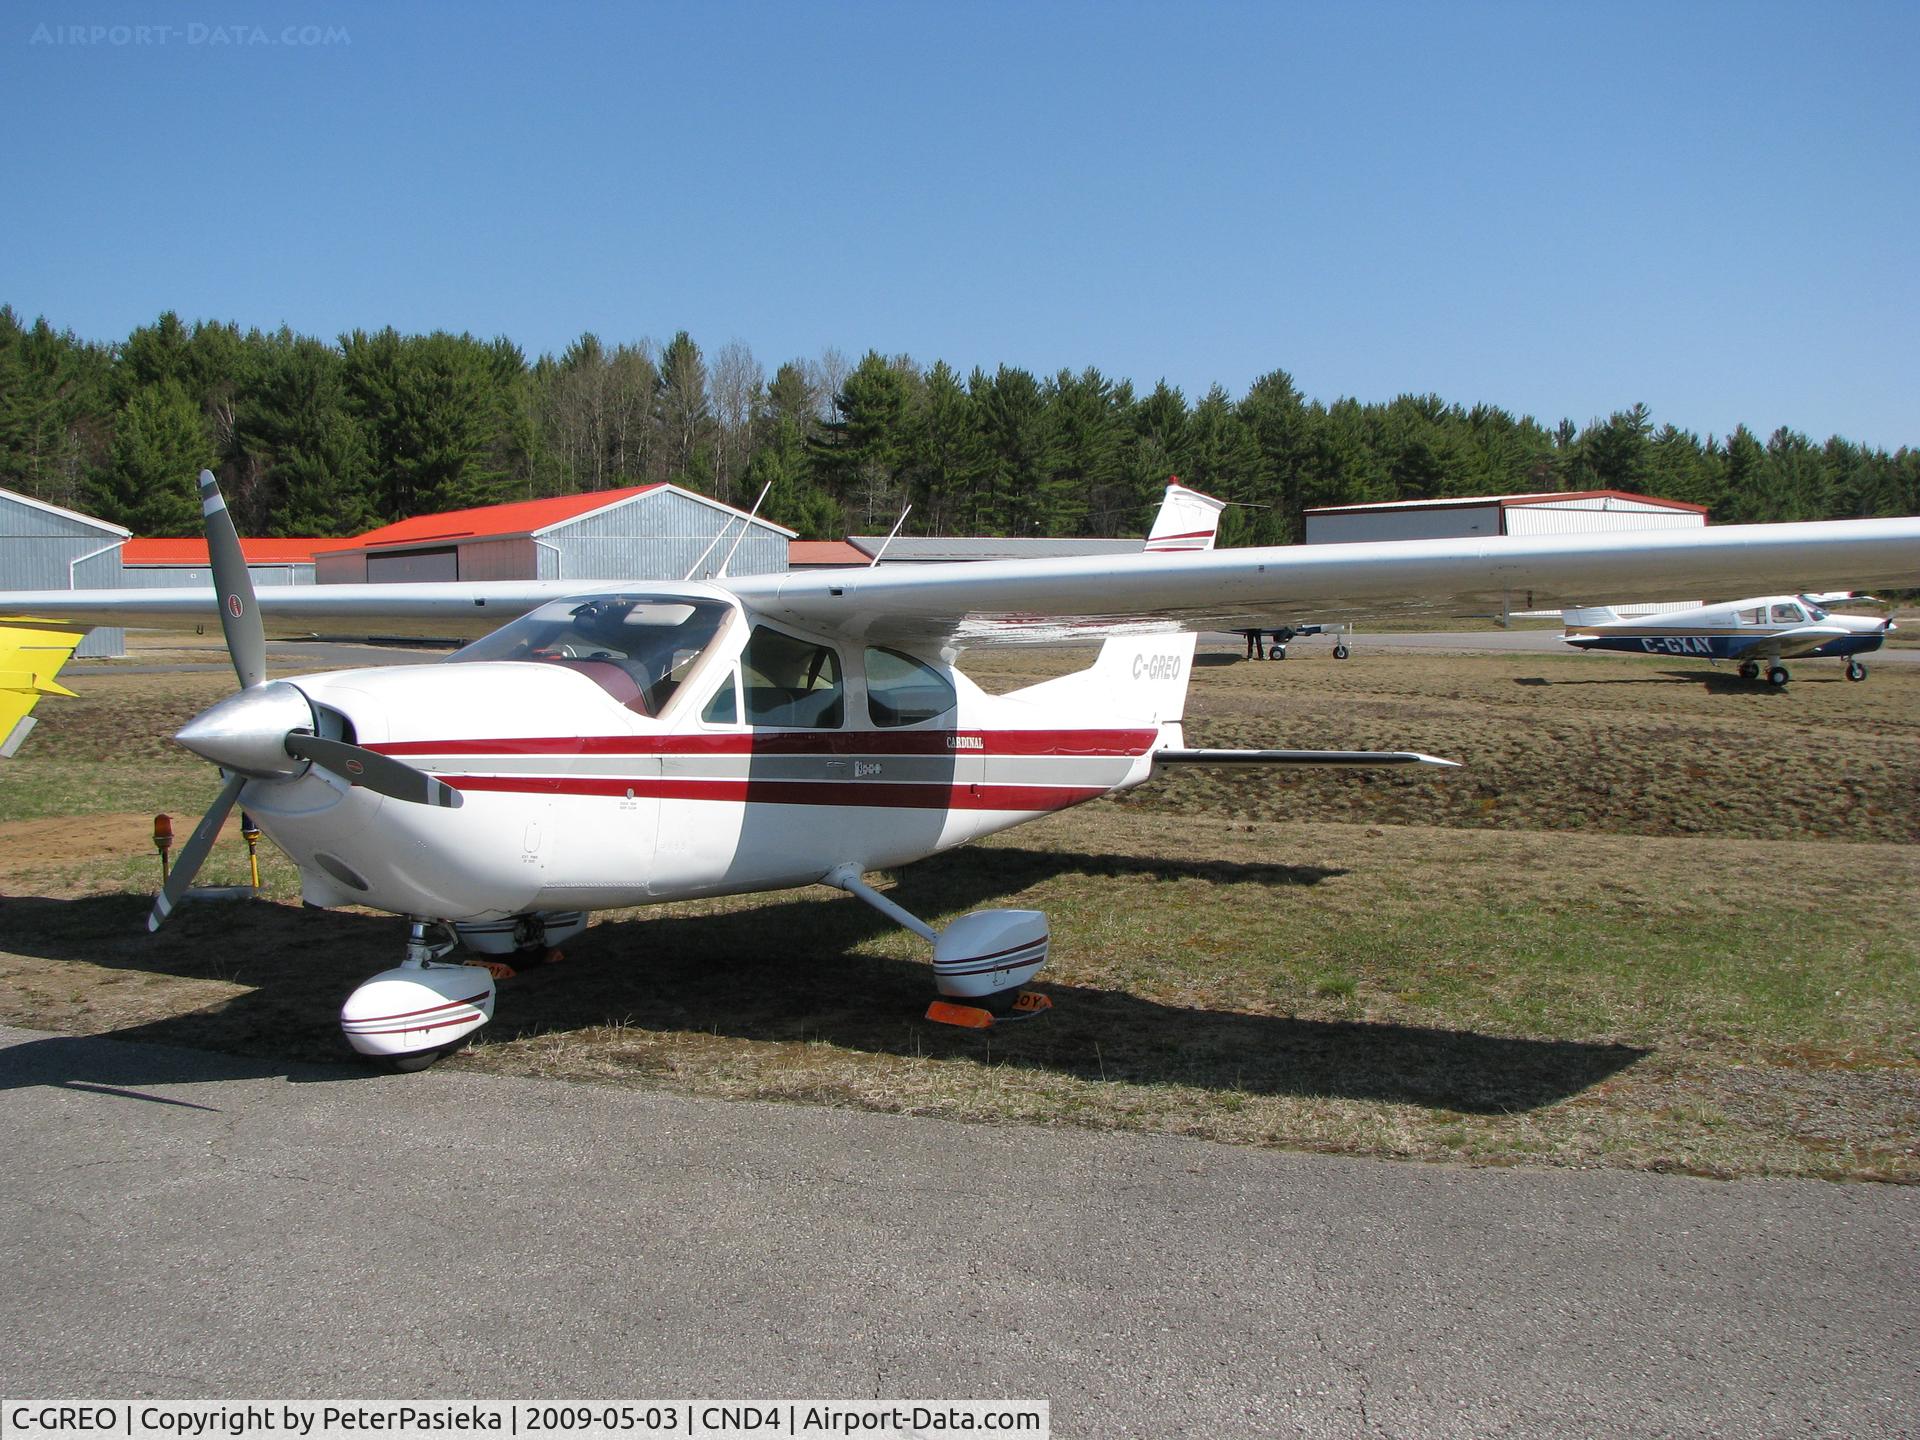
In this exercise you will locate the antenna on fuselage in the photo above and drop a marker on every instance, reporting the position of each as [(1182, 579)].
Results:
[(715, 542), (890, 534), (727, 559)]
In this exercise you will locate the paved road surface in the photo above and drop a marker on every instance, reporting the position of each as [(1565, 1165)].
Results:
[(186, 1225)]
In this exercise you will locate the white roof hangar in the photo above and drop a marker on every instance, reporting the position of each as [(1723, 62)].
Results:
[(48, 547), (1553, 512), (642, 532)]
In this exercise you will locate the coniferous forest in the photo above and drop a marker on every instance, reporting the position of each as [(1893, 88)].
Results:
[(311, 437)]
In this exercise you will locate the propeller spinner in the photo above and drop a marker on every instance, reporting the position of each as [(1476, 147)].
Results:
[(266, 731)]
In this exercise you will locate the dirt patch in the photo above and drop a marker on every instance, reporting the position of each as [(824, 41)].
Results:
[(27, 845)]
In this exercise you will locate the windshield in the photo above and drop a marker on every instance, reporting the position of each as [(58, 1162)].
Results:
[(638, 648)]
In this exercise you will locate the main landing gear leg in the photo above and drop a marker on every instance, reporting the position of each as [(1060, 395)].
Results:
[(980, 961), (423, 1008)]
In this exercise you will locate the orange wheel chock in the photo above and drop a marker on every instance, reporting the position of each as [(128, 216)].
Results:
[(967, 1017)]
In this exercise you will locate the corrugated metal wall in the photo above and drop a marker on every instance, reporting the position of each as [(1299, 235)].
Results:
[(658, 536), (161, 577), (340, 569), (1586, 517), (498, 560), (1411, 524), (408, 567), (44, 550)]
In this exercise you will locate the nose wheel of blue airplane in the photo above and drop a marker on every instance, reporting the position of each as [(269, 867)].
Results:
[(1855, 670)]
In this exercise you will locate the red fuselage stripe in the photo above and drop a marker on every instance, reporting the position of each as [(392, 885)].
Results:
[(428, 1010), (1067, 743), (880, 795)]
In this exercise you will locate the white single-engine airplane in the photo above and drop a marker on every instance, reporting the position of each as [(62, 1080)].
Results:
[(620, 744), (1761, 631)]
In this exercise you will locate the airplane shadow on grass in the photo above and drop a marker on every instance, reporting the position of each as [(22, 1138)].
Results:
[(1714, 682), (786, 969)]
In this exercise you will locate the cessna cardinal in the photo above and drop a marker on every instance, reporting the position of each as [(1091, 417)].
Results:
[(626, 743), (1758, 632)]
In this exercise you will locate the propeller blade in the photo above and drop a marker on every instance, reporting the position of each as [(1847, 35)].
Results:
[(381, 773), (239, 615), (194, 852)]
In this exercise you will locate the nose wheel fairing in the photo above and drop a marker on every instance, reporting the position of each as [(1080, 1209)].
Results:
[(422, 1008)]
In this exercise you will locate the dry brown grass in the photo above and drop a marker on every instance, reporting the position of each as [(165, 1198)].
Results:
[(1641, 953)]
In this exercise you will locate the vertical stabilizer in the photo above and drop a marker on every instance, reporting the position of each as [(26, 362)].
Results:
[(1592, 615), (1187, 520), (1141, 678)]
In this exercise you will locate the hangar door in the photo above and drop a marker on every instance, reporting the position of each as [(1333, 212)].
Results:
[(414, 565)]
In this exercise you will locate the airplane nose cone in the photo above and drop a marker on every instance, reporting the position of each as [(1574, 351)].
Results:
[(247, 732)]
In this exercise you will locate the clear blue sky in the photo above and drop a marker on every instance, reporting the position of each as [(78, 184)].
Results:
[(1561, 209)]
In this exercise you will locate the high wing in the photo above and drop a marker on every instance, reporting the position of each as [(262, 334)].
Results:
[(1015, 600), (445, 608), (1406, 579)]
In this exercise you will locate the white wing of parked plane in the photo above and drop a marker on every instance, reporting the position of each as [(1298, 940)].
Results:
[(1238, 589), (1028, 599)]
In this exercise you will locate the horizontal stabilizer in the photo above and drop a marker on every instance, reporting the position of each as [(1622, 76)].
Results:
[(31, 654), (27, 682), (1299, 757)]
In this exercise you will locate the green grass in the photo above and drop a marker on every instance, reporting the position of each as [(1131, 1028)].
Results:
[(1584, 950)]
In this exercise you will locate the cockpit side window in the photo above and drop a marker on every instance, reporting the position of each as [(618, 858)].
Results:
[(904, 691), (724, 707), (792, 682), (638, 648), (1788, 614), (1753, 615)]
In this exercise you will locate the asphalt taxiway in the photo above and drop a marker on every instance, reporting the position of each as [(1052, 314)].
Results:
[(185, 1225)]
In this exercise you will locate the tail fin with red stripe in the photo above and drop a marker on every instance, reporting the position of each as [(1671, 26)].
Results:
[(1187, 520)]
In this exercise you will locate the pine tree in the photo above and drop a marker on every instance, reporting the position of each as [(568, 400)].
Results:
[(1089, 420), (293, 425), (947, 454), (1023, 458), (1277, 417), (683, 414), (160, 446), (859, 455), (428, 407)]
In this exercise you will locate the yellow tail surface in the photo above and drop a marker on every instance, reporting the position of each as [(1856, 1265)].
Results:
[(31, 654)]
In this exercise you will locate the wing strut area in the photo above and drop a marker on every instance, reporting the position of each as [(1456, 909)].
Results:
[(1299, 757)]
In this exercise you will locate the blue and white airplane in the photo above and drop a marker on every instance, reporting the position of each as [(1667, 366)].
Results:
[(1757, 632)]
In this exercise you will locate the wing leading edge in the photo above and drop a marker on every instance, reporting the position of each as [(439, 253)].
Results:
[(1017, 600)]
